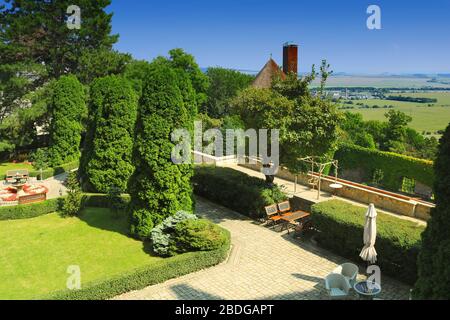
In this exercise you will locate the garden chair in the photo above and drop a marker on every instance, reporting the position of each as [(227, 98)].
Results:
[(272, 215), (284, 209), (337, 286), (349, 271)]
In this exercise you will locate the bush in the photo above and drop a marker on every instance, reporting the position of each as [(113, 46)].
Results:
[(162, 235), (394, 166), (156, 273), (341, 227), (198, 235), (28, 211), (236, 190), (73, 203)]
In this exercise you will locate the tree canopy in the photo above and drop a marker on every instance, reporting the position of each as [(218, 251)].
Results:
[(434, 258), (36, 48), (225, 84), (36, 31), (307, 124)]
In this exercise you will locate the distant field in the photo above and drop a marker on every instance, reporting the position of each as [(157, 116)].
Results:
[(380, 82), (429, 119)]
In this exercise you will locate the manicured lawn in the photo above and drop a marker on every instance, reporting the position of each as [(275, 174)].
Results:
[(4, 167), (35, 253)]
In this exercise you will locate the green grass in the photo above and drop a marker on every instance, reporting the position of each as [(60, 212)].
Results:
[(4, 167), (425, 118), (35, 253)]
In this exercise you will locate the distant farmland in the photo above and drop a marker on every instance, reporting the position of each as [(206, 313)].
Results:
[(380, 82), (425, 118)]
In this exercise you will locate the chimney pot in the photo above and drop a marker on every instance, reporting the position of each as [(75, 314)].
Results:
[(290, 58)]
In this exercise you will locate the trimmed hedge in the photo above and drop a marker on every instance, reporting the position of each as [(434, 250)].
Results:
[(159, 272), (236, 190), (341, 227), (51, 172), (34, 210), (394, 166), (28, 211)]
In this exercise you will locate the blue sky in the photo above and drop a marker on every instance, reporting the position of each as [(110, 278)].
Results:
[(241, 34)]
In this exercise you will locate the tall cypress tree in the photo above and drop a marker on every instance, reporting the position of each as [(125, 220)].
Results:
[(159, 188), (106, 160), (68, 109), (434, 258)]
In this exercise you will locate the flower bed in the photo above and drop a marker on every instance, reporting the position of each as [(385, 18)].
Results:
[(10, 194)]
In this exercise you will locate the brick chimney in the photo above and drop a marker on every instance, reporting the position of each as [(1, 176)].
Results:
[(290, 58)]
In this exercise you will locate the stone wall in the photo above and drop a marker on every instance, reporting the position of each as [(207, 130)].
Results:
[(383, 200)]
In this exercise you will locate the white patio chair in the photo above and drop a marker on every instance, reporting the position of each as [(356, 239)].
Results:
[(337, 286), (349, 271)]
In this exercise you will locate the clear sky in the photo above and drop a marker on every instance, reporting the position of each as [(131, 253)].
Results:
[(241, 34)]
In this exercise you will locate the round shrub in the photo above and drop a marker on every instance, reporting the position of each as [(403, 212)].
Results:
[(162, 235), (198, 235)]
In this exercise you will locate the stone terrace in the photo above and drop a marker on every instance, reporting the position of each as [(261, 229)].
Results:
[(263, 264)]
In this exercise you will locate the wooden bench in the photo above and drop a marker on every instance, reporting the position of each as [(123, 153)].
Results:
[(276, 212), (13, 176)]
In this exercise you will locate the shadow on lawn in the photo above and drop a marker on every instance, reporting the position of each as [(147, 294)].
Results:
[(104, 219)]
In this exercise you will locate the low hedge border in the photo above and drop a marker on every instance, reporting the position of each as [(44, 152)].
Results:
[(27, 211), (236, 190), (341, 229), (34, 210), (159, 272)]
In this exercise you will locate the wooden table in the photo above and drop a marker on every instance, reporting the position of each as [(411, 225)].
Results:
[(290, 220)]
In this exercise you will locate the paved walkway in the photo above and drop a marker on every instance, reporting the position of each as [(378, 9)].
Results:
[(263, 264)]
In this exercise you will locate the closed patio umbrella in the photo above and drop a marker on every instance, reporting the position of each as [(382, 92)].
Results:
[(369, 253)]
